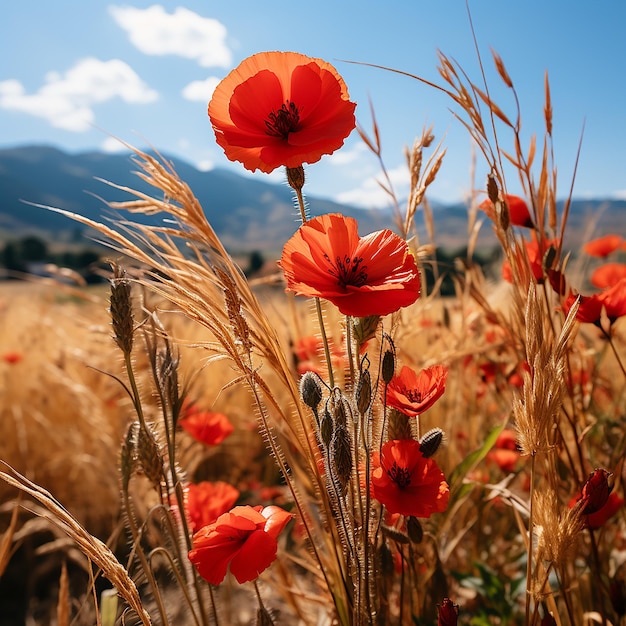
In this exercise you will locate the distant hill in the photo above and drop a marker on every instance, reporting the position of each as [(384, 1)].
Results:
[(247, 214)]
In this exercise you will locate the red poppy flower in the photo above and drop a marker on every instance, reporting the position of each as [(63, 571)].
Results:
[(244, 539), (519, 215), (205, 426), (371, 275), (12, 357), (407, 483), (413, 393), (613, 504), (281, 108), (608, 274), (535, 251), (206, 501), (603, 246), (613, 300)]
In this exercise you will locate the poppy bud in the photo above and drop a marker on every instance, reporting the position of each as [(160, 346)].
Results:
[(389, 366), (326, 428), (364, 392), (595, 491), (448, 613), (431, 441), (341, 458), (414, 530), (295, 177), (311, 391)]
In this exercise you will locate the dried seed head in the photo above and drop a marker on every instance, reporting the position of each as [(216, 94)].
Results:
[(232, 299), (414, 530), (311, 390), (504, 217), (431, 442), (492, 189), (167, 375), (121, 308), (149, 455), (396, 535), (128, 454), (341, 458), (364, 392), (399, 425)]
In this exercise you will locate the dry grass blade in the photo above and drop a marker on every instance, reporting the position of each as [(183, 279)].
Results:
[(6, 542), (94, 549), (63, 603)]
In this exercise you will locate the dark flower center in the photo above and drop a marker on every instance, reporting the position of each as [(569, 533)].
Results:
[(348, 271), (413, 395), (400, 475), (284, 121)]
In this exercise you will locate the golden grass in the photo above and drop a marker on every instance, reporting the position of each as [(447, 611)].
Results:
[(508, 545)]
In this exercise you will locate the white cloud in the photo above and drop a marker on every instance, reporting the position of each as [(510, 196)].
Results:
[(181, 33), (201, 90), (113, 145), (371, 195), (205, 166), (66, 101), (619, 194), (346, 156)]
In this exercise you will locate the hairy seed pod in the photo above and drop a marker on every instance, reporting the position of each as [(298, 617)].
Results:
[(414, 530), (395, 535), (326, 428), (431, 442), (311, 391), (341, 458), (389, 366), (339, 408), (264, 617), (364, 392)]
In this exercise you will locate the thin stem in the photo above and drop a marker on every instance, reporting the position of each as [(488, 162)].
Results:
[(529, 560)]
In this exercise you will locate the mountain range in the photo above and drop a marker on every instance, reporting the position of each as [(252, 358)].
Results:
[(246, 213)]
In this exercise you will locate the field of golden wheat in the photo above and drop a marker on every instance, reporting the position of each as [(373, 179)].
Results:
[(335, 443)]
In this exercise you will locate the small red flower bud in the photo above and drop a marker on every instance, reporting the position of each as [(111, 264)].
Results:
[(448, 613), (595, 491)]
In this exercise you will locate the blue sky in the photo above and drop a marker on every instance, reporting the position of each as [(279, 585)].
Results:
[(75, 72)]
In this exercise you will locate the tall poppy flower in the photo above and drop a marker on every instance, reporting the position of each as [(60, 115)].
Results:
[(208, 427), (206, 501), (244, 539), (406, 482), (371, 275), (413, 393), (519, 214), (603, 246), (281, 108), (612, 300), (608, 274)]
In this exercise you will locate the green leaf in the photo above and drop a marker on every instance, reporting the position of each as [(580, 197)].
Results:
[(470, 462)]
